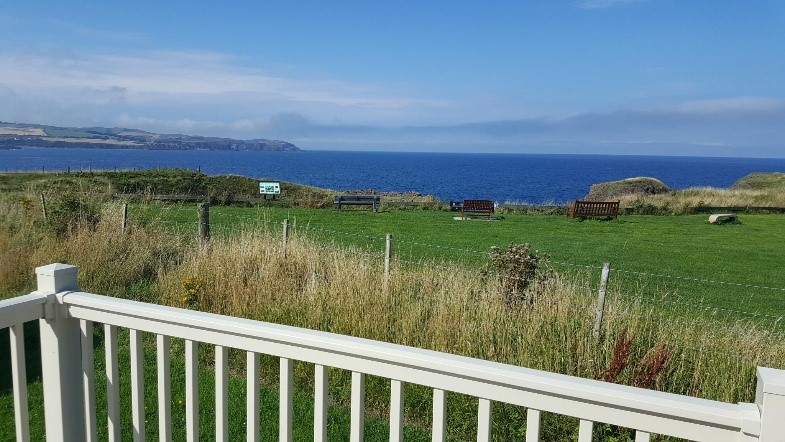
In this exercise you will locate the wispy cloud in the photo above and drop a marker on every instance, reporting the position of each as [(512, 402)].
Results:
[(604, 4), (195, 79), (732, 105), (722, 127), (96, 33)]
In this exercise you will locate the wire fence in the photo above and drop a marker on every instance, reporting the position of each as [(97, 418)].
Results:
[(657, 289)]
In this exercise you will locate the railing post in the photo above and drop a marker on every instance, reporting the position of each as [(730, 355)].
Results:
[(770, 398), (61, 362)]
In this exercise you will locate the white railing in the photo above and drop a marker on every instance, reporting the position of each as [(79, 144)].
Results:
[(66, 318)]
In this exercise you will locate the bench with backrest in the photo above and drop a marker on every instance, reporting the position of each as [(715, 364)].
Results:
[(357, 200), (583, 209), (477, 207)]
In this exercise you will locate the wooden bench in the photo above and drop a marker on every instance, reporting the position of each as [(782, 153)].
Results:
[(585, 209), (357, 200), (477, 207)]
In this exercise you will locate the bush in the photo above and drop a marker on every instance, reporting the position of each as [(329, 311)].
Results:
[(71, 212), (520, 269)]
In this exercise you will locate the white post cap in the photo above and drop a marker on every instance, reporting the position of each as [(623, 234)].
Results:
[(56, 278)]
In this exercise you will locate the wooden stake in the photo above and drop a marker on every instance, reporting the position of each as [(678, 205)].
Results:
[(606, 269), (125, 217), (285, 235), (43, 207), (387, 256), (204, 221)]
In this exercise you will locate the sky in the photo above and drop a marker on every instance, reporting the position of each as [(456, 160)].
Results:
[(638, 77)]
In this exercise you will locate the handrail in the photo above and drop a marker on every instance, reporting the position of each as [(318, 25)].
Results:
[(636, 408), (21, 309)]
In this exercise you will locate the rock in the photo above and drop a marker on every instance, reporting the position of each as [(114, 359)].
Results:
[(722, 218)]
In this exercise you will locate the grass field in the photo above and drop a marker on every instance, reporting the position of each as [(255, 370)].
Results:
[(733, 266)]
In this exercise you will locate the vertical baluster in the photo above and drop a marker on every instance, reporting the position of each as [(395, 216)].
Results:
[(484, 421), (642, 436), (585, 431), (252, 402), (164, 389), (437, 434), (112, 383), (221, 394), (88, 380), (137, 385), (357, 430), (191, 390), (19, 375), (320, 398), (285, 404), (396, 411), (532, 425)]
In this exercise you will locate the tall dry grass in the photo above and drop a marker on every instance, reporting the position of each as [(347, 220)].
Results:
[(110, 262), (458, 311), (684, 201)]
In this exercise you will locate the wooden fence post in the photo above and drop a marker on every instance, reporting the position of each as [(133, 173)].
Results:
[(125, 217), (387, 256), (43, 207), (285, 238), (204, 221), (606, 269)]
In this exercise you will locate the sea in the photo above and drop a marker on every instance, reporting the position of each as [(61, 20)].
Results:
[(504, 178)]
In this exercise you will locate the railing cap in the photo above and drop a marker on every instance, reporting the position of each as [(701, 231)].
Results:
[(770, 381), (57, 277)]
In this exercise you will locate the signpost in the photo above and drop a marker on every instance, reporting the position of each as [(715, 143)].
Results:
[(269, 188)]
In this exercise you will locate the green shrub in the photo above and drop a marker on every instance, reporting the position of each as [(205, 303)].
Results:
[(519, 269), (70, 212)]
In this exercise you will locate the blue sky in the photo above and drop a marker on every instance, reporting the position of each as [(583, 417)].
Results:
[(682, 77)]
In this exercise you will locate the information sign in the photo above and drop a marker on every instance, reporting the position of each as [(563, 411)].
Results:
[(269, 188)]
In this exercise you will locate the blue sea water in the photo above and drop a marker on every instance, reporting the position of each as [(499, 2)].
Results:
[(520, 178)]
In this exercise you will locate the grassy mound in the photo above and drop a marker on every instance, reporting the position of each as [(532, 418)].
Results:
[(220, 189), (761, 180), (614, 190)]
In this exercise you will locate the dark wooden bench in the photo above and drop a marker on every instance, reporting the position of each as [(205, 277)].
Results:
[(357, 200), (584, 209), (477, 207)]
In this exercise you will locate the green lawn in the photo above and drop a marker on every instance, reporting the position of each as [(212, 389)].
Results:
[(737, 266)]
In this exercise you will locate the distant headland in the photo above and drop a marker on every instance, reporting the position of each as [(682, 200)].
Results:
[(19, 135)]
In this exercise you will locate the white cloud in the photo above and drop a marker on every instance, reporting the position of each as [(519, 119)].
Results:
[(190, 78)]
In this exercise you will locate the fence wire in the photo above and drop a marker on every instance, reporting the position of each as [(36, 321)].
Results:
[(162, 214)]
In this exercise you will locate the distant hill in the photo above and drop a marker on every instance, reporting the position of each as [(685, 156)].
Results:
[(18, 135)]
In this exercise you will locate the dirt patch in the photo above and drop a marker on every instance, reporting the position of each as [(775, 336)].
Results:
[(23, 131)]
